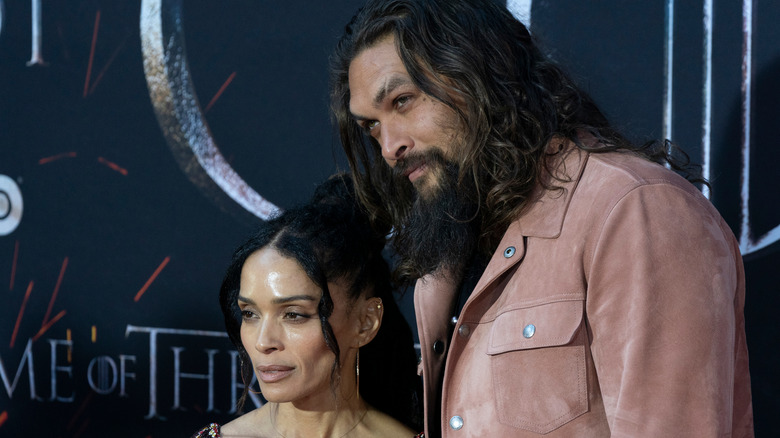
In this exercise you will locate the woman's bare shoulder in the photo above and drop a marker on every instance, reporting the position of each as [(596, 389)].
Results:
[(383, 425), (253, 424)]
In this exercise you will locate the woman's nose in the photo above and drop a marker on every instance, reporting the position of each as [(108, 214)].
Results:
[(268, 338)]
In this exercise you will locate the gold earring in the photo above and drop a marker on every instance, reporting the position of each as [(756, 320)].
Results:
[(357, 374)]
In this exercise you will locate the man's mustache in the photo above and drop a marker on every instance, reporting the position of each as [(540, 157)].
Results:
[(404, 166)]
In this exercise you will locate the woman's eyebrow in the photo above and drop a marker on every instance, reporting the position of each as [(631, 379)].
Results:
[(245, 300), (284, 300)]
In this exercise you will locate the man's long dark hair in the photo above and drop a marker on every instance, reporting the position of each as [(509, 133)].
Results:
[(513, 101), (332, 239)]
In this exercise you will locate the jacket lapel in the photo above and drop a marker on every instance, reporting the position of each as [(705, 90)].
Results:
[(434, 302), (543, 218), (435, 294)]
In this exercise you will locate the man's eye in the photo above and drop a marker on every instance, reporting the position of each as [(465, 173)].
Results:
[(401, 101), (370, 125)]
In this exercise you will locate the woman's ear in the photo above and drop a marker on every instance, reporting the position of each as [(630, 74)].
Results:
[(370, 319)]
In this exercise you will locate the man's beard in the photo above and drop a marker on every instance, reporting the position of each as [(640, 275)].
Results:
[(440, 228)]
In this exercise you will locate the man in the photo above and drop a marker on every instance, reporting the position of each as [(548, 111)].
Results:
[(568, 283)]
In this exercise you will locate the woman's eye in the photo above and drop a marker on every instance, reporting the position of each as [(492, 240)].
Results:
[(294, 316), (247, 314)]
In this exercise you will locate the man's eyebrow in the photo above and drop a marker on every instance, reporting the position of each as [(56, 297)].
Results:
[(389, 87)]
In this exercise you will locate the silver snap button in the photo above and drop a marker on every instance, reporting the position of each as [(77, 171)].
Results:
[(456, 422), (509, 252), (464, 330), (529, 331), (454, 320)]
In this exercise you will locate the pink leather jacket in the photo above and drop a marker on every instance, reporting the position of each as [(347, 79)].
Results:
[(611, 308)]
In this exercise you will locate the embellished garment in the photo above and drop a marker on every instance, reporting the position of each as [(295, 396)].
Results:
[(210, 431)]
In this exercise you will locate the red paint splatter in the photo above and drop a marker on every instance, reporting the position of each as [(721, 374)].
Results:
[(57, 157), (48, 325), (56, 291), (13, 265), (63, 44), (105, 67), (21, 313), (220, 91), (80, 410), (113, 166), (152, 278), (82, 428), (92, 52)]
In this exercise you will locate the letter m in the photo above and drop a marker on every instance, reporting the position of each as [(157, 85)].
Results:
[(27, 358)]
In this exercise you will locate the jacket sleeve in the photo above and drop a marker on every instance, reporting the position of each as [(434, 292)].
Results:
[(665, 313)]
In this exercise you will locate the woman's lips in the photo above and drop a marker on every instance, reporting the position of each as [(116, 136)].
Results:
[(273, 373)]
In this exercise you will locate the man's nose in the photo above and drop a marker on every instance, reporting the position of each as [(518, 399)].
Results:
[(396, 142)]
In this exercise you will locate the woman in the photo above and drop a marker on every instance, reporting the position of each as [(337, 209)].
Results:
[(308, 304)]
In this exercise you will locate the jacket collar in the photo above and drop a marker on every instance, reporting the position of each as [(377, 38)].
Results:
[(542, 218), (544, 215)]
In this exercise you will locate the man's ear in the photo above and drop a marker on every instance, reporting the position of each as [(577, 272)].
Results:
[(370, 319)]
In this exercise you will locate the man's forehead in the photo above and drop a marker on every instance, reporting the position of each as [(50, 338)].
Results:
[(375, 63), (374, 74)]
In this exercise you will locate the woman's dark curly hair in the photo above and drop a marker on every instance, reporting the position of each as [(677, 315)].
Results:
[(332, 239), (513, 100)]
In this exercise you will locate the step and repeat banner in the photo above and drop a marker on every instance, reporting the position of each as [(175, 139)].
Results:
[(141, 142)]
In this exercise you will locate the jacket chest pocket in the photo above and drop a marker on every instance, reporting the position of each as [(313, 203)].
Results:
[(538, 365)]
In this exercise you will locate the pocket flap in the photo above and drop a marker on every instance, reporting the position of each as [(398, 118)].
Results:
[(544, 325)]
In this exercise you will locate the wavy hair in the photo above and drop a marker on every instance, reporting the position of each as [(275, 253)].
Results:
[(331, 238), (512, 101)]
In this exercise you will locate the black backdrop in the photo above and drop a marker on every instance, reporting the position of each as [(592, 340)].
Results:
[(113, 237)]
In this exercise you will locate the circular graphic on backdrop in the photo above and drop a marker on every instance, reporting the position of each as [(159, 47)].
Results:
[(2, 14), (10, 205), (182, 120), (179, 114)]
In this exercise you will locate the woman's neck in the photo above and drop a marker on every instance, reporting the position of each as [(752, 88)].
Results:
[(290, 420)]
